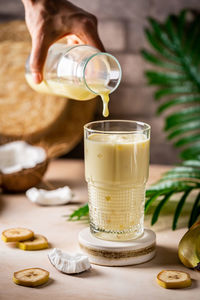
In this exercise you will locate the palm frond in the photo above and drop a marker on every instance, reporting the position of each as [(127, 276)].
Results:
[(79, 213), (159, 207), (195, 211), (177, 54), (179, 207)]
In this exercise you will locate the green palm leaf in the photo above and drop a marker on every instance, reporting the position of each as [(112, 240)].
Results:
[(170, 78), (159, 62), (191, 152), (176, 42), (184, 169), (187, 140), (179, 208), (159, 48), (182, 128), (180, 175), (186, 119), (181, 116), (159, 207), (151, 200), (185, 99), (167, 186), (195, 211), (173, 90), (79, 213), (192, 163)]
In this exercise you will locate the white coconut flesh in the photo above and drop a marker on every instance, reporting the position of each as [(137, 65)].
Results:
[(55, 197), (19, 155), (69, 264)]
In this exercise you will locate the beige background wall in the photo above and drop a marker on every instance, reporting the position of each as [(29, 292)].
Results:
[(121, 28)]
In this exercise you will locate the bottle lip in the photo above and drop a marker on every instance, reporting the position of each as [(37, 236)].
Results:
[(106, 54)]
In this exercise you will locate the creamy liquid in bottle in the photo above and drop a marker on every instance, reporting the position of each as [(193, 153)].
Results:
[(116, 169), (69, 90)]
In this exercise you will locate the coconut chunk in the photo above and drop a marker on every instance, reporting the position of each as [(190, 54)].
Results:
[(19, 155), (55, 197), (67, 263)]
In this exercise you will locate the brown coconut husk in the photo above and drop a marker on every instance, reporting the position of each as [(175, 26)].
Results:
[(52, 122), (24, 179), (26, 114)]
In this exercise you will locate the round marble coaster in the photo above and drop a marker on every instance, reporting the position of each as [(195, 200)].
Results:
[(109, 253)]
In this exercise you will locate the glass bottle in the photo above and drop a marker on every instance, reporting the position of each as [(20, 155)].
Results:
[(79, 72)]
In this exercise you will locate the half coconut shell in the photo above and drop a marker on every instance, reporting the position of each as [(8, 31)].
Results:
[(24, 179)]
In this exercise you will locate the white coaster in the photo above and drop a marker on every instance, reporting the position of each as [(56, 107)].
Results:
[(109, 253)]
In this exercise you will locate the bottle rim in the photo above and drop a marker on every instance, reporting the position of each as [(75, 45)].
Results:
[(144, 127), (98, 54)]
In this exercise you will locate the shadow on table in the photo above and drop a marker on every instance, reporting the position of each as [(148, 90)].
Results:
[(56, 183), (92, 272), (194, 285), (2, 204), (164, 257), (49, 282)]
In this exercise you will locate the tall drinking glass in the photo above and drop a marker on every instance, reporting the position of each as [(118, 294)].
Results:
[(116, 170)]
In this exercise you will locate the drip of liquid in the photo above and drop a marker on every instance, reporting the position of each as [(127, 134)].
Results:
[(105, 99), (69, 90)]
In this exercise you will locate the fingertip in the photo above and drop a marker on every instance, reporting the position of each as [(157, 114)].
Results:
[(92, 38), (37, 77), (101, 47)]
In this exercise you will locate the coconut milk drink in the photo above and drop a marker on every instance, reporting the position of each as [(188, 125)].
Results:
[(116, 169)]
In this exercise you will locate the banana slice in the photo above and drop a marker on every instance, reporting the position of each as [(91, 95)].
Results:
[(171, 279), (16, 234), (31, 277), (38, 242)]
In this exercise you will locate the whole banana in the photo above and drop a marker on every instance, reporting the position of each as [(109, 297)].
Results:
[(189, 247)]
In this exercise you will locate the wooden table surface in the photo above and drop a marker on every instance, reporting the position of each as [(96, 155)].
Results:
[(110, 283)]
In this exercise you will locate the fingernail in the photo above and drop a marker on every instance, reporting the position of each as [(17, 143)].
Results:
[(37, 77)]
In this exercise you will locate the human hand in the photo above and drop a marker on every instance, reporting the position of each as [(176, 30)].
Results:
[(50, 20)]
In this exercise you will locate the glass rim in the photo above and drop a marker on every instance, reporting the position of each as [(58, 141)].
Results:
[(147, 127), (106, 54)]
